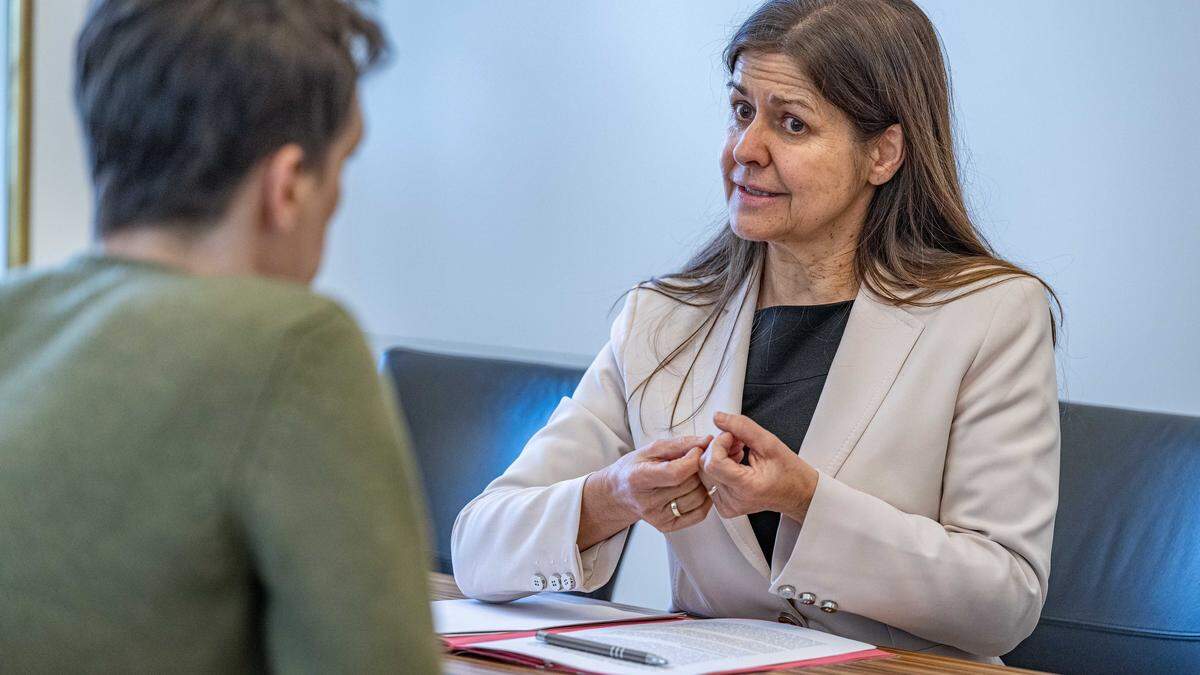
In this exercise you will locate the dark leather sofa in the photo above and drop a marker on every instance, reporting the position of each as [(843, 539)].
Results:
[(1125, 569), (469, 418), (1125, 582)]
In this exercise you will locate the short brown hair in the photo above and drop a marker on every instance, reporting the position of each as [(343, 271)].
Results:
[(180, 99)]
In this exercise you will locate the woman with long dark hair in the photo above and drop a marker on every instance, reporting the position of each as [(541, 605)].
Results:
[(847, 371)]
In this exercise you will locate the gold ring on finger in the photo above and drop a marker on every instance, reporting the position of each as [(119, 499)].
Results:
[(675, 508)]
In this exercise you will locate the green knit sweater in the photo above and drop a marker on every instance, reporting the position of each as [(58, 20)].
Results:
[(200, 475)]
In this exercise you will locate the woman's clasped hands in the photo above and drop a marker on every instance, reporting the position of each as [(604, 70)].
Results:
[(773, 477), (660, 483), (673, 483)]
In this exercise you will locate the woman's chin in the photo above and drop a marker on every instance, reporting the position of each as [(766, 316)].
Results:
[(750, 230)]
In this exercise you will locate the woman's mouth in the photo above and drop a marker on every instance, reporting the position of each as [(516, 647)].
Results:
[(751, 196), (759, 193)]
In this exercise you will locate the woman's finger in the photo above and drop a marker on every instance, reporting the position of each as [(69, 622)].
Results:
[(658, 474), (691, 500), (721, 468), (674, 448), (721, 504), (664, 495), (749, 432), (692, 517), (737, 449), (721, 444)]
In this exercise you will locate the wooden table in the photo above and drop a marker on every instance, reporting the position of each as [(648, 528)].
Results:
[(442, 587)]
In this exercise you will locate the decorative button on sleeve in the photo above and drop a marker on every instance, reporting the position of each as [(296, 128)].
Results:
[(537, 583), (807, 599), (568, 581), (555, 582), (791, 619), (829, 606), (786, 592)]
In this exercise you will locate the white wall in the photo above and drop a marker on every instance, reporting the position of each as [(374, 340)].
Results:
[(60, 201), (528, 160), (1080, 117)]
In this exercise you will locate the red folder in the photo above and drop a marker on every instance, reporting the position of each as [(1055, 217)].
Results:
[(477, 645)]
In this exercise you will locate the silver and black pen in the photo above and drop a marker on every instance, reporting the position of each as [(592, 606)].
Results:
[(599, 648)]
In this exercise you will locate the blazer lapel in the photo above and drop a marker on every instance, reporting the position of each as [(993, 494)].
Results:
[(876, 343), (729, 369)]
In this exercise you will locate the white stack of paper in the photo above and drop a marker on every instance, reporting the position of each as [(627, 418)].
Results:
[(692, 647), (457, 617)]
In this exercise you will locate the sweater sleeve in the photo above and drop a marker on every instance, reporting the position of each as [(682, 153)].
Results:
[(327, 499)]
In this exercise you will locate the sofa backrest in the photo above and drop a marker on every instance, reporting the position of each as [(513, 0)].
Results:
[(469, 418), (1124, 591)]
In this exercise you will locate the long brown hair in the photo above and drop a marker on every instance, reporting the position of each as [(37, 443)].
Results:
[(880, 62)]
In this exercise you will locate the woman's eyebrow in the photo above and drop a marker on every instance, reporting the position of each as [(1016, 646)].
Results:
[(775, 99)]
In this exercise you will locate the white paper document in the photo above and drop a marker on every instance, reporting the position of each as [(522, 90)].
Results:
[(455, 617), (700, 646)]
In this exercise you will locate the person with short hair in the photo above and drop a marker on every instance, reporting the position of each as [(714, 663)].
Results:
[(199, 468)]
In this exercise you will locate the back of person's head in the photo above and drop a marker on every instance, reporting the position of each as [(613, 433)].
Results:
[(181, 100)]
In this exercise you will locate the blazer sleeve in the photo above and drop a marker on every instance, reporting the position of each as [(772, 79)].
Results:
[(526, 522), (977, 579)]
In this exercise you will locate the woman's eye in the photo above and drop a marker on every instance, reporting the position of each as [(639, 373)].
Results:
[(742, 111), (793, 125)]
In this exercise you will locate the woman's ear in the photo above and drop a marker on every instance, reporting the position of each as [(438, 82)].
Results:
[(887, 154)]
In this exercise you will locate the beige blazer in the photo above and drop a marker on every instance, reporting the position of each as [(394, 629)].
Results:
[(937, 441)]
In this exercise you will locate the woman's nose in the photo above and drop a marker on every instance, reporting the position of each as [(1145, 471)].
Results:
[(751, 147)]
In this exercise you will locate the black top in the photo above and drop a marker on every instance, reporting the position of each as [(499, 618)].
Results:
[(791, 350)]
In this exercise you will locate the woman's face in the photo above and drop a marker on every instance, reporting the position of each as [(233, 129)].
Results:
[(794, 170)]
